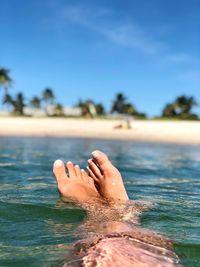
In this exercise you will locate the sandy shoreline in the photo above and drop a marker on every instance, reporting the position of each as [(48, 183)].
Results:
[(182, 132)]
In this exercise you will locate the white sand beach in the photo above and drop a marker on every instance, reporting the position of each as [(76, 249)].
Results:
[(184, 132)]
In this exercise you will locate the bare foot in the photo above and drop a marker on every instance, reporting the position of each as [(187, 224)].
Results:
[(107, 177), (77, 185)]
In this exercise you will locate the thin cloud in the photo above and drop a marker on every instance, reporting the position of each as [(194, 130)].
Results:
[(132, 36), (126, 34), (123, 34)]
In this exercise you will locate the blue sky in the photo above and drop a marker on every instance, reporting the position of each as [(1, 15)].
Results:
[(149, 50)]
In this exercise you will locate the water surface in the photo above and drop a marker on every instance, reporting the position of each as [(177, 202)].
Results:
[(36, 228)]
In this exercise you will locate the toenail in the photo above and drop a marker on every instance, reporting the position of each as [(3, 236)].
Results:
[(95, 153), (58, 163), (69, 162), (77, 166)]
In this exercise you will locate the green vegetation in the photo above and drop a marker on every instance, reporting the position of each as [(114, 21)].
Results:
[(59, 110), (91, 109), (5, 79), (180, 108), (121, 106), (16, 103), (48, 96), (35, 102)]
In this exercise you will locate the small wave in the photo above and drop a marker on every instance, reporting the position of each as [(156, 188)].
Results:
[(7, 164)]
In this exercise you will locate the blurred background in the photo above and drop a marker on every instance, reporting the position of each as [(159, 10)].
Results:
[(90, 58)]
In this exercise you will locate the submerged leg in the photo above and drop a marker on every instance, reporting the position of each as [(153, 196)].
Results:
[(114, 243)]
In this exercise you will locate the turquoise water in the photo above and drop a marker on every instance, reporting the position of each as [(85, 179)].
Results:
[(36, 228)]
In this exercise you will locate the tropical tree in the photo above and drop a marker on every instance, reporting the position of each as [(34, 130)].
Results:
[(5, 79), (119, 104), (180, 108), (84, 107), (59, 110), (48, 96), (100, 109), (185, 104), (16, 103), (48, 99), (19, 104), (90, 108), (130, 109), (169, 110), (35, 102), (7, 99)]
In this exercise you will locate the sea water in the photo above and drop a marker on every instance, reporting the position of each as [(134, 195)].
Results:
[(36, 228)]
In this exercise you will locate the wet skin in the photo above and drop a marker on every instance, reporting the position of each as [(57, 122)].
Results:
[(118, 243), (107, 177), (80, 187), (76, 185)]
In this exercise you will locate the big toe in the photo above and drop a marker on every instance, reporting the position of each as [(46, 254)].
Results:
[(58, 167), (59, 172), (101, 159)]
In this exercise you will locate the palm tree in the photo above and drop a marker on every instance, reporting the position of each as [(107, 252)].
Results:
[(130, 109), (180, 108), (5, 79), (185, 104), (119, 104), (7, 99), (19, 104), (48, 96), (58, 110), (169, 111), (35, 102), (100, 109), (90, 108), (83, 105)]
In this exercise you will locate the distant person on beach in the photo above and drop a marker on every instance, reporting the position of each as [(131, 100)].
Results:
[(126, 124), (114, 237)]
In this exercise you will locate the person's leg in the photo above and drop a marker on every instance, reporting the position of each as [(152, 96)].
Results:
[(113, 239), (77, 185), (107, 177)]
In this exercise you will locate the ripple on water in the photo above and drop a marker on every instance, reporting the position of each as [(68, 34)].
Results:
[(36, 228), (7, 164)]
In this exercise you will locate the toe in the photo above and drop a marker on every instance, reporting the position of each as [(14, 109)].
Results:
[(101, 159), (60, 174), (78, 171), (92, 175), (85, 177), (71, 169), (95, 169), (91, 181)]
